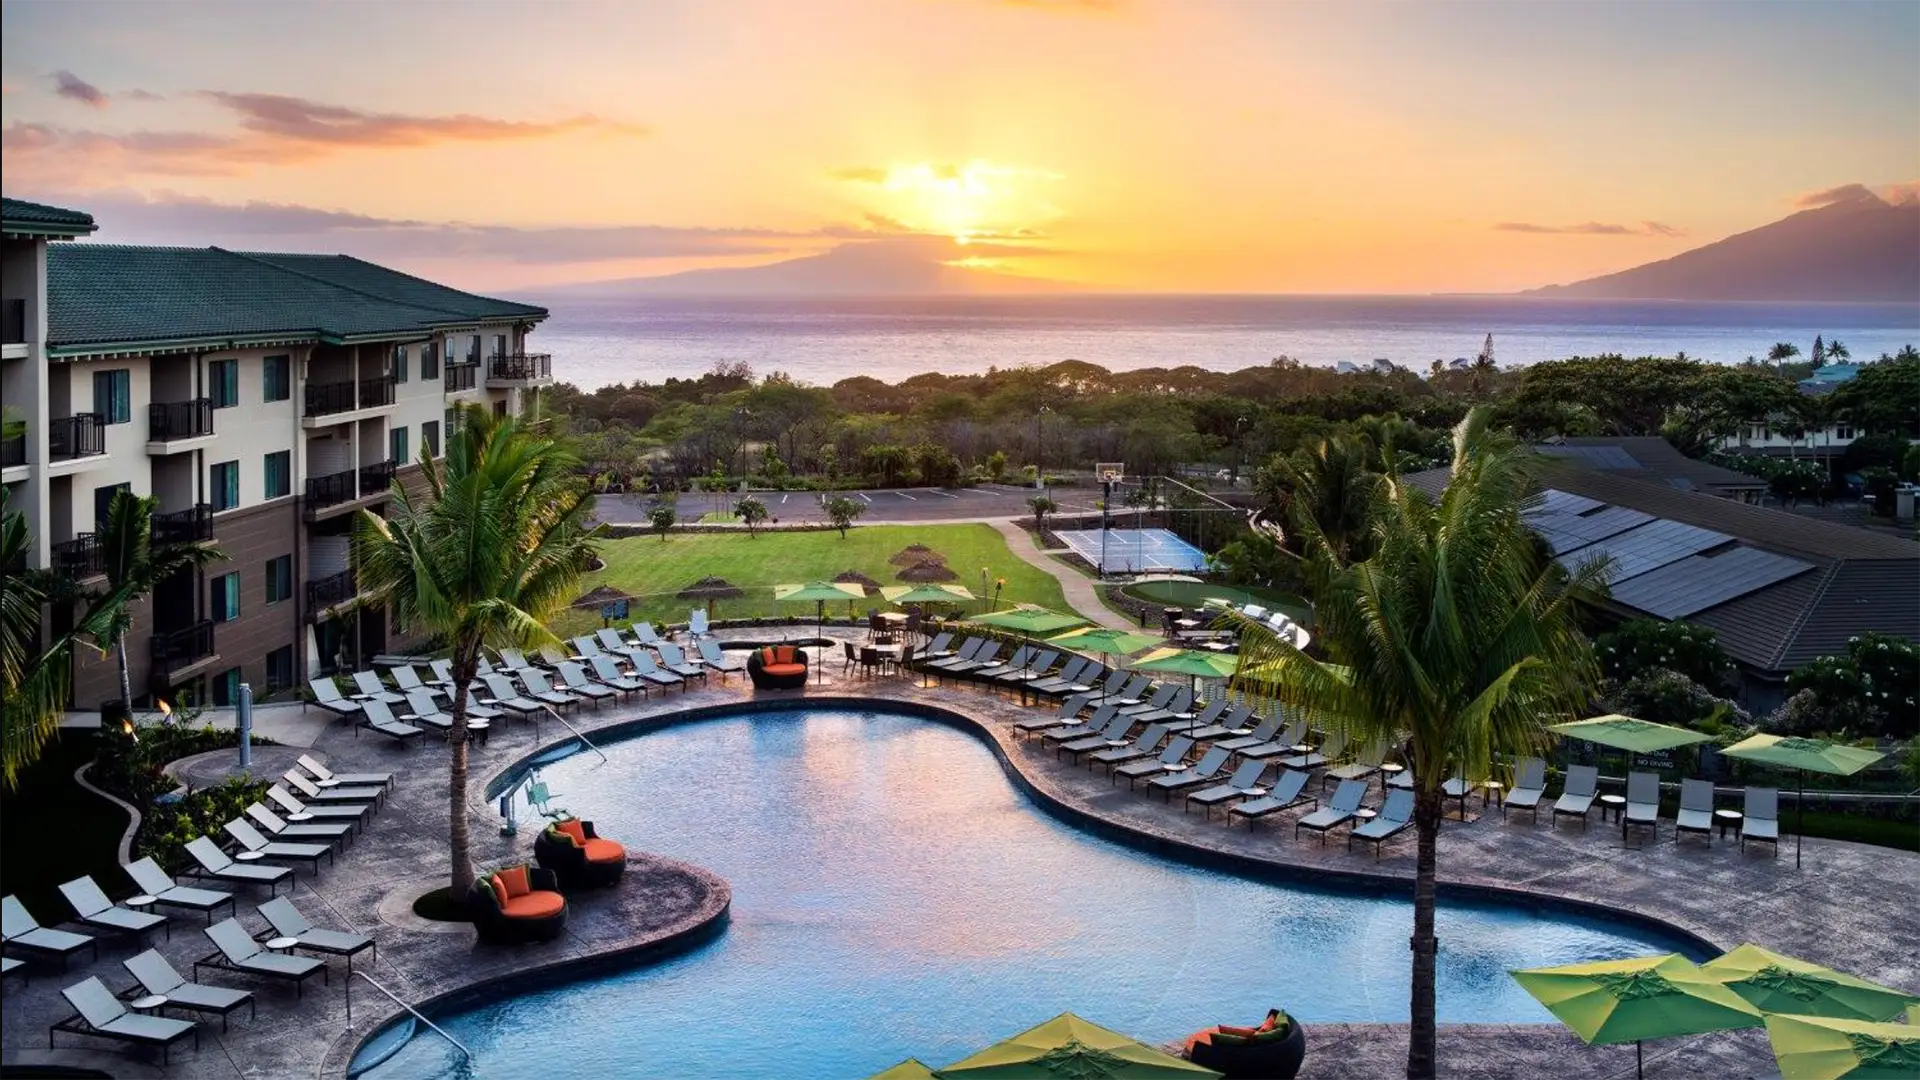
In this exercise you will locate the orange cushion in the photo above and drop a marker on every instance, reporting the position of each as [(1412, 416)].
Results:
[(766, 655), (605, 851), (1267, 1024), (573, 829), (784, 669), (535, 905), (499, 892), (1199, 1038), (1243, 1032), (783, 655), (515, 879)]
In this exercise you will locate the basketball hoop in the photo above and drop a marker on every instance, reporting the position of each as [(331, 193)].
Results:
[(1110, 472)]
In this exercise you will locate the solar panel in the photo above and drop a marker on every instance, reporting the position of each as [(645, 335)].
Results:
[(1699, 582), (1555, 501), (1597, 457), (1647, 547), (1564, 532)]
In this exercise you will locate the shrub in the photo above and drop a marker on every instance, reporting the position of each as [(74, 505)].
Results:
[(1670, 697), (1875, 685), (1640, 645)]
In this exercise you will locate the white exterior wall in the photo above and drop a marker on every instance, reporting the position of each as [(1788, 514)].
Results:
[(1760, 437), (23, 389), (418, 401), (125, 461), (249, 431)]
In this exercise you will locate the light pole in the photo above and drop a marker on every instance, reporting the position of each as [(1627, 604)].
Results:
[(1039, 465), (1238, 423)]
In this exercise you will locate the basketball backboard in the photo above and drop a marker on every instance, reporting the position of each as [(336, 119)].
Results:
[(1110, 472)]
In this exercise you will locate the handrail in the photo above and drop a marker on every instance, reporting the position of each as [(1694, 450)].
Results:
[(576, 731), (417, 1015)]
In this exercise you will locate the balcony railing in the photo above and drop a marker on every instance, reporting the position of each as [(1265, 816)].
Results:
[(332, 488), (190, 526), (376, 392), (179, 419), (175, 649), (332, 589), (13, 322), (375, 478), (77, 436), (461, 376), (13, 451), (520, 366), (325, 399), (79, 557)]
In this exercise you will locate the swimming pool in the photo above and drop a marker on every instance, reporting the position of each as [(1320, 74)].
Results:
[(895, 895)]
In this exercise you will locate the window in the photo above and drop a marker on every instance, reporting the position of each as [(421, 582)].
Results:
[(113, 395), (279, 578), (276, 377), (500, 408), (223, 485), (103, 503), (1843, 431), (397, 446), (429, 362), (280, 668), (452, 422), (226, 689), (223, 383), (400, 363), (279, 474), (499, 344), (224, 593), (430, 438)]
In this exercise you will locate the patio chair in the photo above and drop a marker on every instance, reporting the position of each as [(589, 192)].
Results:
[(1145, 746), (314, 793), (371, 688), (645, 668), (1157, 701), (1034, 670), (298, 811), (1760, 818), (1400, 781), (940, 647), (1069, 709), (985, 657), (644, 634), (249, 838), (513, 661), (1133, 693), (158, 978), (1643, 803), (1362, 767), (1018, 663), (697, 625), (1394, 818), (286, 921), (1329, 750), (506, 697), (216, 864), (408, 680), (328, 831), (1177, 707), (1244, 782), (1576, 797), (1281, 745), (676, 661), (1696, 810), (585, 648), (1115, 731), (551, 657), (1216, 723), (1181, 779), (1287, 792), (1456, 788), (575, 678), (607, 670), (1338, 811), (1529, 786), (1093, 725), (328, 696), (713, 657), (381, 719), (19, 928), (93, 908), (327, 778), (425, 711), (99, 1014), (611, 643), (238, 952), (1064, 680), (1260, 736), (539, 689), (147, 876), (1175, 753)]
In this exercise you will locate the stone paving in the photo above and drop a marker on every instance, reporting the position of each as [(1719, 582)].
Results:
[(1851, 906)]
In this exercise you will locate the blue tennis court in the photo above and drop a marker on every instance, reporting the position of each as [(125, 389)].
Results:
[(1134, 551)]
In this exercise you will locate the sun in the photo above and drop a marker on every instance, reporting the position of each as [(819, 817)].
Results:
[(970, 201)]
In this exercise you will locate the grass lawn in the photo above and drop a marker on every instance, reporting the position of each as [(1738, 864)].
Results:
[(53, 830), (1191, 594), (654, 571)]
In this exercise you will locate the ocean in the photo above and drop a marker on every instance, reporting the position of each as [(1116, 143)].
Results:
[(820, 340)]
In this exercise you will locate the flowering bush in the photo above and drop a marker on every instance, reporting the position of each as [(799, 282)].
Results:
[(1669, 697), (1640, 645), (1875, 685)]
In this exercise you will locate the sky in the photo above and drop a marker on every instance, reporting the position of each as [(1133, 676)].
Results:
[(1182, 146)]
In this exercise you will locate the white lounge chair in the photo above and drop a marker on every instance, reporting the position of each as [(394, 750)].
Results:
[(1696, 810), (147, 876), (408, 680), (381, 719), (287, 921), (1760, 820), (719, 661), (676, 661), (250, 839), (298, 812), (98, 1013), (311, 831), (328, 696), (1394, 817), (1175, 753), (607, 670), (328, 778), (645, 668), (1529, 786), (333, 796), (1244, 783), (371, 688), (1287, 792), (1643, 803), (1338, 811), (1576, 798), (240, 953), (93, 908), (18, 927), (216, 864), (159, 979), (539, 689), (1174, 780), (507, 697), (575, 678)]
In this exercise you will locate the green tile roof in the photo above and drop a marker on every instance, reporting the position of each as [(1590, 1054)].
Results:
[(108, 297), (19, 217)]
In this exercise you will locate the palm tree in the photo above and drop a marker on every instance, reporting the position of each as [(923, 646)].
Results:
[(493, 548), (135, 566), (1331, 486), (33, 680), (1458, 636)]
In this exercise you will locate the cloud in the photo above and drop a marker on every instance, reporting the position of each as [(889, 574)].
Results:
[(68, 85), (1905, 193), (1829, 196), (305, 122), (1592, 228), (860, 174)]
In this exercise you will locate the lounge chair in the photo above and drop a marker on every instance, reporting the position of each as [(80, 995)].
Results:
[(644, 634), (98, 1013), (253, 842), (1069, 710), (1576, 797), (610, 641), (1216, 723), (1131, 694), (326, 832), (984, 657), (327, 778), (1760, 819), (1329, 750), (381, 719), (607, 670), (157, 978), (1156, 702), (585, 648), (697, 625), (1696, 810), (1066, 680), (328, 696), (1104, 739), (1643, 803), (1244, 783), (426, 712), (676, 661), (1281, 745), (298, 811), (1092, 725), (286, 921), (1395, 816), (153, 881), (508, 698), (408, 680), (238, 952), (1286, 793), (645, 668), (19, 928), (1338, 811), (1145, 746), (575, 678), (1181, 779), (1018, 663), (332, 796), (216, 864), (1262, 733), (551, 657), (539, 689), (372, 689), (1456, 788), (712, 656), (513, 661), (1175, 753), (1037, 668), (1180, 706), (940, 647), (1529, 786), (1400, 781), (94, 909), (1361, 767)]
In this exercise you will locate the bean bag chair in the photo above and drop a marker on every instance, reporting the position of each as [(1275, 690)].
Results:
[(1275, 1049), (578, 856), (517, 904), (777, 667)]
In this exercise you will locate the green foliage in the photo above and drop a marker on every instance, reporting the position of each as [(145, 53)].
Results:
[(752, 512), (167, 826), (1641, 645), (662, 515), (1669, 697), (1872, 689), (33, 677), (1877, 450), (135, 566), (1041, 505), (842, 512), (997, 465), (1884, 398)]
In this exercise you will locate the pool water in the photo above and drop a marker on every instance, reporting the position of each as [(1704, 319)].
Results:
[(894, 895)]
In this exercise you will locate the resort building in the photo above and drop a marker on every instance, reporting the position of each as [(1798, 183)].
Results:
[(263, 398), (1654, 460)]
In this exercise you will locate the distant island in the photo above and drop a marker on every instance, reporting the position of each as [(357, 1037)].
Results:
[(1857, 248), (896, 266)]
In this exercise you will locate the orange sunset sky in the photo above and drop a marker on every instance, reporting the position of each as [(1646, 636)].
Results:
[(1176, 146)]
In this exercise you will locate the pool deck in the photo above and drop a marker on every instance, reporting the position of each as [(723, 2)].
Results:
[(1850, 907)]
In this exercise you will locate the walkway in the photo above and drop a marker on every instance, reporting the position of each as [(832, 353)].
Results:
[(1081, 595)]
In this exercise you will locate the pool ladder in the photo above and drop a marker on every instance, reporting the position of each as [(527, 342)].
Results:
[(417, 1015), (577, 733)]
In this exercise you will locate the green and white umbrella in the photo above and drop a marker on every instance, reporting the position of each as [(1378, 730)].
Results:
[(910, 1069), (1069, 1048), (1629, 733), (1782, 984), (1104, 640), (1810, 1048), (819, 592), (1806, 755), (903, 595), (1195, 663), (1030, 619), (1646, 997)]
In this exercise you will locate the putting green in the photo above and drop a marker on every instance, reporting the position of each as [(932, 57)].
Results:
[(1192, 594)]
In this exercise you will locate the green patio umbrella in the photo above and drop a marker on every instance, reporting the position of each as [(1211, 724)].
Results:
[(1806, 755), (1104, 640), (1809, 1048), (1646, 997), (1197, 663), (1032, 620), (910, 1069), (926, 594), (1630, 734), (819, 592), (1069, 1048), (1781, 984)]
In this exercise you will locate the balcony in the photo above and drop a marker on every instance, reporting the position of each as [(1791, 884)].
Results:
[(335, 399), (519, 369), (173, 426), (461, 376), (194, 525), (13, 322), (13, 452), (337, 489), (332, 590), (376, 478), (376, 392), (76, 438), (80, 557), (175, 653)]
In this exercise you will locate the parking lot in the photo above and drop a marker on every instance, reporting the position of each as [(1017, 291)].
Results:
[(885, 504)]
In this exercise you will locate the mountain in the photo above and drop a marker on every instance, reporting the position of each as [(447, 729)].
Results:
[(1858, 248), (906, 266)]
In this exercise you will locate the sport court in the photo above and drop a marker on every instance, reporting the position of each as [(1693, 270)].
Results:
[(1135, 551)]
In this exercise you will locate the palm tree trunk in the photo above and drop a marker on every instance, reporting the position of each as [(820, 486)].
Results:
[(1427, 810), (126, 683), (466, 663)]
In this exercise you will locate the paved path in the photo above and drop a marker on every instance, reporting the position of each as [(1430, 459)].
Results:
[(1081, 595)]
